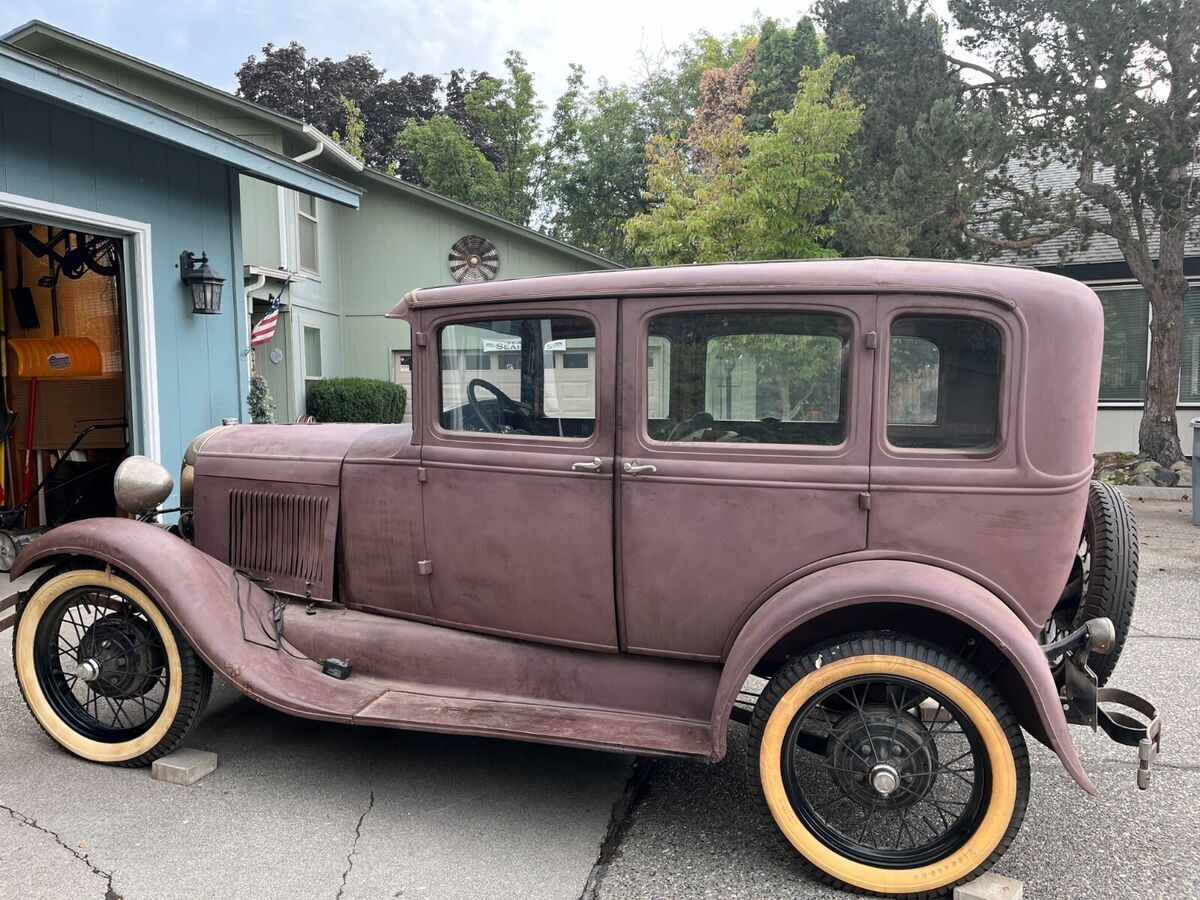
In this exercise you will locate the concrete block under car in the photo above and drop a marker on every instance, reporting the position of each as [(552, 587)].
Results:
[(185, 766), (990, 886)]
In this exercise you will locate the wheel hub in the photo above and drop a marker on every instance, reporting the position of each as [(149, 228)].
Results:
[(884, 778), (120, 656), (882, 758)]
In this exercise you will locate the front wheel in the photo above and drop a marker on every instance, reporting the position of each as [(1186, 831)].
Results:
[(103, 671), (891, 766)]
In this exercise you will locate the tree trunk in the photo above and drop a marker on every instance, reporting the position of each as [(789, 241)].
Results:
[(1158, 434)]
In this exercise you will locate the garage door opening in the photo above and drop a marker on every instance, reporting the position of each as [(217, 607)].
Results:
[(65, 372)]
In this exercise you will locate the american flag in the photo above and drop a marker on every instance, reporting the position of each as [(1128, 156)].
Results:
[(264, 331)]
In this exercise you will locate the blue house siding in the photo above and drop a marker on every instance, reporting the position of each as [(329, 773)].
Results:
[(190, 202)]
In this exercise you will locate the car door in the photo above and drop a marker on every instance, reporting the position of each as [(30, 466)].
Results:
[(744, 457), (517, 423)]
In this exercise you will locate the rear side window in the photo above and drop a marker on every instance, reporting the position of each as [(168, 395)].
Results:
[(944, 383)]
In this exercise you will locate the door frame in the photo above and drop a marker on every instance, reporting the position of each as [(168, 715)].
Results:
[(140, 343)]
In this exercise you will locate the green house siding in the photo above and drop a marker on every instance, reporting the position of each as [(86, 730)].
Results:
[(52, 154), (397, 242)]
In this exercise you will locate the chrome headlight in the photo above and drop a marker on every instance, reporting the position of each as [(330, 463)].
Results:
[(141, 484)]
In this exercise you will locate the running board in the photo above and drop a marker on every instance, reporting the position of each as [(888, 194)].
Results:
[(543, 724)]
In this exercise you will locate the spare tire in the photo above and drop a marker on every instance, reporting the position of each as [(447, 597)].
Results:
[(1103, 581)]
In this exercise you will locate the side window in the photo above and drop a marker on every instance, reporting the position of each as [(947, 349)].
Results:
[(943, 383), (519, 376), (748, 377)]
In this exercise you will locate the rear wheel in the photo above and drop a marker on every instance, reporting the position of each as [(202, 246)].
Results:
[(889, 765), (103, 671)]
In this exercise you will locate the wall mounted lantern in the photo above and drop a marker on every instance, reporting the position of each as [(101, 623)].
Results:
[(204, 282)]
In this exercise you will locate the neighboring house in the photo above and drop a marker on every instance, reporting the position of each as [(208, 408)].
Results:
[(1126, 323), (343, 269), (101, 191)]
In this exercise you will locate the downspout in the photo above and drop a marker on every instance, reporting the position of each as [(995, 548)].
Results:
[(250, 289), (284, 243)]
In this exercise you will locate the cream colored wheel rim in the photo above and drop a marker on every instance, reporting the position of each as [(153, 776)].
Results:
[(945, 871), (61, 731)]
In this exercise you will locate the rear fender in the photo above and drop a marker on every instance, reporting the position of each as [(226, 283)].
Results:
[(210, 604), (907, 584)]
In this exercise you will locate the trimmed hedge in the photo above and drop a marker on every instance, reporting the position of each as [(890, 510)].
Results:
[(356, 400)]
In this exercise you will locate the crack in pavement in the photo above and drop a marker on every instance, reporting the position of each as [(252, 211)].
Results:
[(30, 822), (622, 813), (354, 846)]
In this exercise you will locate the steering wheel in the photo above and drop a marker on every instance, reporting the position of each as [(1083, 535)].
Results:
[(496, 425)]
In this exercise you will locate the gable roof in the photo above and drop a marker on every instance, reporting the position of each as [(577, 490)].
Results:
[(37, 34), (1058, 178), (32, 74)]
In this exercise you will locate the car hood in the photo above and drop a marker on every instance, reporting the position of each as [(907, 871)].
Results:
[(300, 454)]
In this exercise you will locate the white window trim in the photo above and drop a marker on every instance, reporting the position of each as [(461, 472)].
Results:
[(315, 218), (305, 326), (139, 303)]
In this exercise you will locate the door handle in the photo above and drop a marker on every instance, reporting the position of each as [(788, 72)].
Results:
[(635, 468), (593, 466)]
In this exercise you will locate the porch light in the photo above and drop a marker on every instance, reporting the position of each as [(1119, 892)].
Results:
[(204, 282)]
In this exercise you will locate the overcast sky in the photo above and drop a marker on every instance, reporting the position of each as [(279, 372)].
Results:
[(208, 41)]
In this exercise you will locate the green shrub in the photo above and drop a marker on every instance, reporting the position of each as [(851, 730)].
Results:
[(356, 400)]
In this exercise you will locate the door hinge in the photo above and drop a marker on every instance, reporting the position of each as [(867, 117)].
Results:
[(419, 337), (864, 500), (425, 567), (870, 339), (422, 474)]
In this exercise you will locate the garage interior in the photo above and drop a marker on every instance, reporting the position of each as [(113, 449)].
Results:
[(63, 362)]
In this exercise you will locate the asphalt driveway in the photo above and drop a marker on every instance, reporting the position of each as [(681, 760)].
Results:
[(695, 832), (303, 809)]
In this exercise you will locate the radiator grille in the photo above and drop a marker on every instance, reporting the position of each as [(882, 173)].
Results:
[(278, 534)]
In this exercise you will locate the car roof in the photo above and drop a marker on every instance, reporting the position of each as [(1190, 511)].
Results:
[(1010, 286)]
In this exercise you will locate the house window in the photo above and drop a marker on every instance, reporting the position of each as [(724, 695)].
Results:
[(312, 352), (1189, 375), (1126, 336), (306, 231), (575, 360)]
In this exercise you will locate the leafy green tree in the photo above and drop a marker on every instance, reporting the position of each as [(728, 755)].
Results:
[(352, 143), (726, 194), (900, 71), (508, 112), (783, 53), (450, 164), (1113, 94), (288, 80), (596, 166)]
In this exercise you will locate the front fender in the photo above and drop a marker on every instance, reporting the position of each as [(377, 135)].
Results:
[(898, 582), (218, 611)]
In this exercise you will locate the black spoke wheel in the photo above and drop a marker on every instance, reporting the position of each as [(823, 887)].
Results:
[(889, 765), (101, 664), (897, 778), (103, 671)]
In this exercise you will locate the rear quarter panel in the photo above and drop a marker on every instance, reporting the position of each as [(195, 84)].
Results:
[(1010, 517)]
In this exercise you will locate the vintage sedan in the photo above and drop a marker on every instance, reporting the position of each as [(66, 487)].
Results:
[(623, 495)]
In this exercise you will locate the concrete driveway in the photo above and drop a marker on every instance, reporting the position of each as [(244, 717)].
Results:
[(302, 809)]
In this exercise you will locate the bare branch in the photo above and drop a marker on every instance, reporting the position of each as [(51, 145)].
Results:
[(967, 64)]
